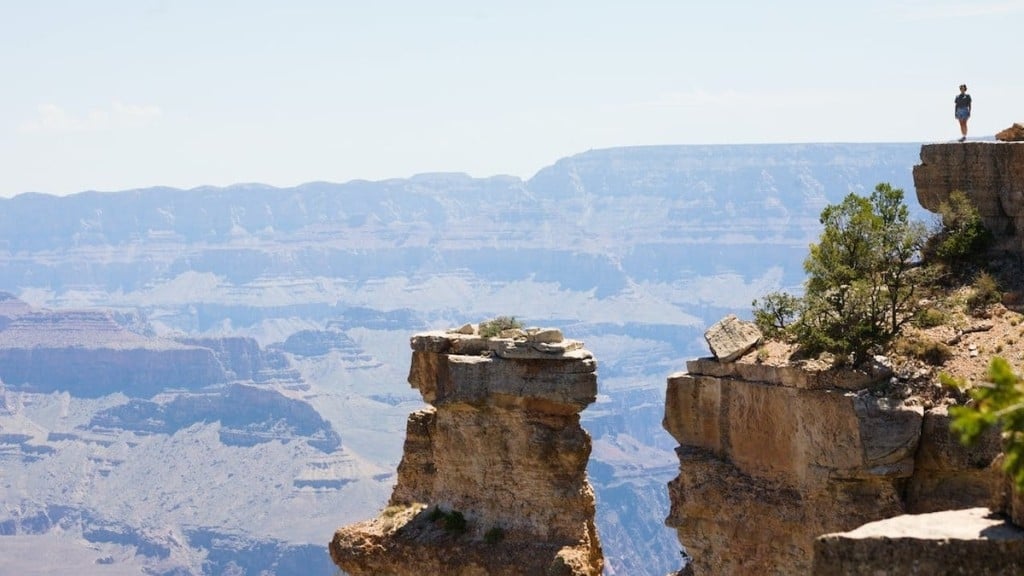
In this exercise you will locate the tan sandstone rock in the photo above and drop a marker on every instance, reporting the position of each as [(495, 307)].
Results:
[(992, 176), (771, 458), (1014, 133), (502, 448), (730, 338)]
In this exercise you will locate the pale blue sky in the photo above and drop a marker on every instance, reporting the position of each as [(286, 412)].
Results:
[(111, 95)]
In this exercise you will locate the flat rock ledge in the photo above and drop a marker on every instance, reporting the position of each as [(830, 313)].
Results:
[(527, 369), (799, 375), (529, 344), (973, 541)]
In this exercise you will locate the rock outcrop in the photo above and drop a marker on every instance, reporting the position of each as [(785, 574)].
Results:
[(771, 457), (992, 176), (973, 541), (493, 476), (1014, 133)]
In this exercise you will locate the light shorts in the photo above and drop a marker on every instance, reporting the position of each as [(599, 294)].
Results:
[(962, 113)]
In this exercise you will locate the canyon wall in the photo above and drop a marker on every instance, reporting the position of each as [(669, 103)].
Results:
[(773, 456), (990, 173), (493, 476)]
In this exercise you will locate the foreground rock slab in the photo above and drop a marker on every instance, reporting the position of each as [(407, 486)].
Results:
[(493, 476), (973, 541)]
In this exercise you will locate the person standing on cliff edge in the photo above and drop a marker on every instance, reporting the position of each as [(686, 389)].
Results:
[(962, 110)]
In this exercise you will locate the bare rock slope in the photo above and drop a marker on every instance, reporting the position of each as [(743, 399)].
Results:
[(493, 476)]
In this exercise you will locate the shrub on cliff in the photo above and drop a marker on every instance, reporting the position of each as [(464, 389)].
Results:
[(863, 279), (495, 327), (775, 313), (959, 236), (984, 292)]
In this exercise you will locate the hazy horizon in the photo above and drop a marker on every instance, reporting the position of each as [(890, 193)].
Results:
[(126, 95)]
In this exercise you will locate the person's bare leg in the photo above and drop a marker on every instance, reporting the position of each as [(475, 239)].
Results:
[(963, 129)]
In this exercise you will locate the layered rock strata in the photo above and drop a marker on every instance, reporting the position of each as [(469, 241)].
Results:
[(990, 173), (90, 354), (493, 476), (773, 456)]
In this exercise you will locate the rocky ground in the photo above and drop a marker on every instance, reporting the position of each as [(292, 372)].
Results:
[(952, 337)]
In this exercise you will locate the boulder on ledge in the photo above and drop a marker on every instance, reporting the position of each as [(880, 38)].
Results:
[(1014, 133), (730, 338)]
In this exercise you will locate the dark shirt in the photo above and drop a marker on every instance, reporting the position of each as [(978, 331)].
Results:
[(963, 101)]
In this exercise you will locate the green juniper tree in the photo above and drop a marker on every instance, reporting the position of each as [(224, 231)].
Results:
[(960, 234), (862, 278)]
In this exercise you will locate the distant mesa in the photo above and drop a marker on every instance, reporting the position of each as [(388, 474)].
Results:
[(333, 472), (312, 343), (92, 353), (248, 416), (89, 353), (171, 384)]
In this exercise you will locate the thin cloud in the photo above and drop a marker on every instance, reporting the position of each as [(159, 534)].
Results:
[(930, 10), (50, 118)]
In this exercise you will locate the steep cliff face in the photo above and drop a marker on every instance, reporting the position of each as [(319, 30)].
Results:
[(493, 477), (773, 456), (990, 173)]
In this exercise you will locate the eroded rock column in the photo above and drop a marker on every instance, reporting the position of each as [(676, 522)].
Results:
[(493, 476)]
